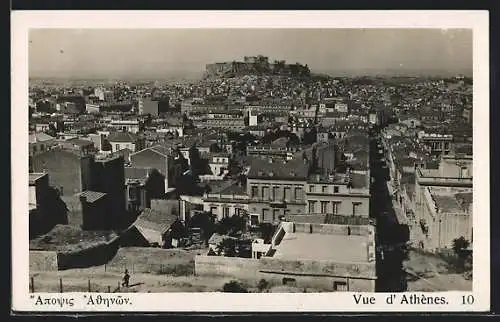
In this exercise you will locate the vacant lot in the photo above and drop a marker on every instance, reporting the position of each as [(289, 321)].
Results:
[(77, 280), (152, 270), (429, 272)]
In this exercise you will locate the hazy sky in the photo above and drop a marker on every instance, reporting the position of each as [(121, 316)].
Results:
[(175, 52)]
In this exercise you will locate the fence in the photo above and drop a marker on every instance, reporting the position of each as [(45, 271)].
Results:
[(61, 287)]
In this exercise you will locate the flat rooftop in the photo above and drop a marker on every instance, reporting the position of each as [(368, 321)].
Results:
[(340, 248)]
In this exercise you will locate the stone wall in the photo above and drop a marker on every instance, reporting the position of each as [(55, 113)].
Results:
[(306, 273), (42, 261), (242, 268)]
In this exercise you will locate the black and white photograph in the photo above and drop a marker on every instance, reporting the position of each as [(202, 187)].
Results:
[(290, 160)]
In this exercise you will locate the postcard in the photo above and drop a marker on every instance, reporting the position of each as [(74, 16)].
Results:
[(250, 161)]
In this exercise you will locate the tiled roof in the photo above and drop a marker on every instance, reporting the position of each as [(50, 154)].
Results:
[(155, 220), (39, 137), (92, 196), (121, 137), (295, 169), (229, 188), (79, 142)]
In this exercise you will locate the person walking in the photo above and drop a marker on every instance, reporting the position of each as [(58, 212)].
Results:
[(126, 278)]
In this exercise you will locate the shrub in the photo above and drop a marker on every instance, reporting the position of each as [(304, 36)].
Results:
[(262, 285), (234, 287)]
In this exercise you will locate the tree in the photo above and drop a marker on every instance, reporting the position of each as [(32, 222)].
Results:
[(262, 285), (227, 247), (206, 222), (232, 226), (266, 231), (155, 184), (106, 146), (178, 230), (195, 159), (460, 246)]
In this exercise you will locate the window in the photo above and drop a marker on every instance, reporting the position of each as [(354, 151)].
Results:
[(225, 212), (276, 193), (464, 172), (287, 193), (254, 220), (213, 210), (446, 145), (336, 189), (336, 205), (42, 147), (340, 286), (312, 206), (255, 192), (289, 281), (324, 205), (132, 193), (355, 208), (311, 188), (265, 214), (265, 193), (276, 214), (117, 147), (324, 189), (298, 193)]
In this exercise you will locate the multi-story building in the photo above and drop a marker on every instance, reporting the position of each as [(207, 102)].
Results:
[(278, 149), (276, 188), (219, 163), (443, 202), (438, 144), (69, 171), (338, 194), (132, 126), (108, 176), (227, 120), (40, 142), (124, 140), (156, 157), (227, 200)]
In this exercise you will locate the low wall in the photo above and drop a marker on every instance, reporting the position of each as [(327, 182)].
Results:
[(331, 229), (43, 260), (315, 267), (252, 269), (323, 283), (235, 267), (93, 256)]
